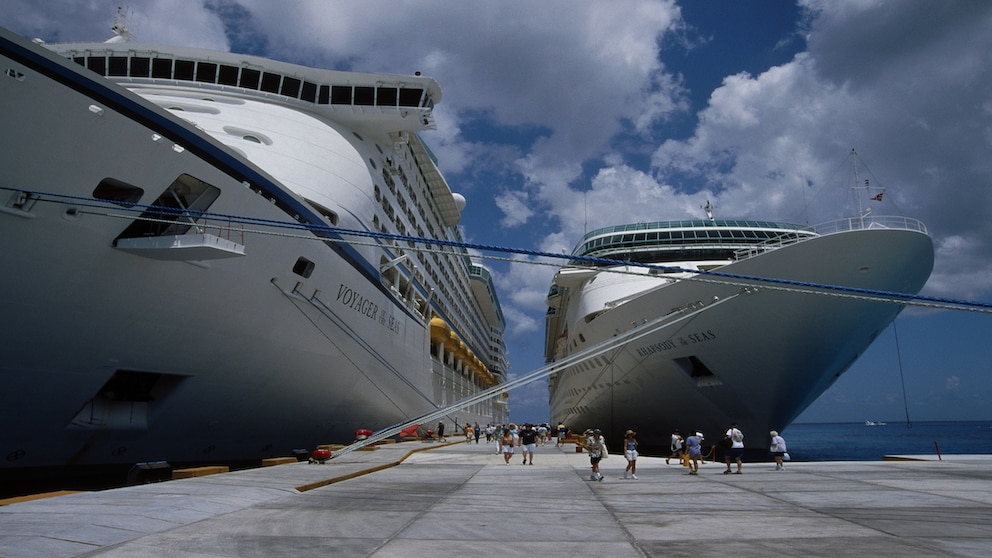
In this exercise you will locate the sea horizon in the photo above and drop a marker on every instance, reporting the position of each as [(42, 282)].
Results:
[(856, 441)]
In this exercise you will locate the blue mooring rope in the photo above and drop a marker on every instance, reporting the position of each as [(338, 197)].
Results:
[(336, 233)]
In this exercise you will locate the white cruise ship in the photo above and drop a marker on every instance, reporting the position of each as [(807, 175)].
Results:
[(194, 266), (728, 346)]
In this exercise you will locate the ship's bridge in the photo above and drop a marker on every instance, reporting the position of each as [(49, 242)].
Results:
[(395, 102), (670, 241)]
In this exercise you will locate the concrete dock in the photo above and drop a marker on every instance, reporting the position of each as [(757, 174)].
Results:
[(462, 500)]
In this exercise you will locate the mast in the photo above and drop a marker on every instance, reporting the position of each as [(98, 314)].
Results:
[(863, 213), (857, 194)]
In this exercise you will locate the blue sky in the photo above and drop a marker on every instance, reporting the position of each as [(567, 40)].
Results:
[(564, 116)]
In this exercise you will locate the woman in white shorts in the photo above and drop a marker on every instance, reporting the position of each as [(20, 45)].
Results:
[(630, 452), (506, 440)]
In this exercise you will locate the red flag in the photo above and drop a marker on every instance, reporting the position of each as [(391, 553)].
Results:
[(878, 197)]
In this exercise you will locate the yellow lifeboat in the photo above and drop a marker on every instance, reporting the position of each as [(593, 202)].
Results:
[(439, 330)]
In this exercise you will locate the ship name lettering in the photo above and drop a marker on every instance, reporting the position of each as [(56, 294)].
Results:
[(348, 297), (698, 337), (681, 341), (390, 322)]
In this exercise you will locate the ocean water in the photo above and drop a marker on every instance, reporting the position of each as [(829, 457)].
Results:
[(857, 442)]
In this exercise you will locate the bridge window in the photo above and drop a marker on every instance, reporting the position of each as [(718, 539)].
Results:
[(250, 78), (206, 72), (162, 68), (364, 96), (184, 70), (270, 82)]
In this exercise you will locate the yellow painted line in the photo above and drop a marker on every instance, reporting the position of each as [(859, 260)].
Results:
[(355, 474)]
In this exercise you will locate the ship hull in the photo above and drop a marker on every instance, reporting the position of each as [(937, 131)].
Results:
[(758, 360), (118, 357)]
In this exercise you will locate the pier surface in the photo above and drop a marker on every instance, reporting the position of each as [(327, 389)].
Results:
[(462, 500)]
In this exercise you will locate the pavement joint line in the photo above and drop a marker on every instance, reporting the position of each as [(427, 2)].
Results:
[(355, 474)]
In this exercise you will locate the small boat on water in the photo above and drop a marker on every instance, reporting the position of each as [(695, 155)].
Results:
[(874, 423)]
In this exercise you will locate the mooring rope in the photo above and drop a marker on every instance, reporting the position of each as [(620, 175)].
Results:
[(327, 233)]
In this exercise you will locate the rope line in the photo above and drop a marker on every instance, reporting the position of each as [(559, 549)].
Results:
[(326, 233)]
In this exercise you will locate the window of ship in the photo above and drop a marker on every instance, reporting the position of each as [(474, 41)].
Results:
[(119, 192), (270, 82), (227, 75), (250, 78), (364, 96), (386, 96), (97, 64), (141, 66), (340, 95), (184, 70), (206, 72), (162, 68), (410, 97), (290, 87), (117, 66), (309, 92)]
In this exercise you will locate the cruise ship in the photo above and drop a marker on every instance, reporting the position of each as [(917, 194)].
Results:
[(215, 257), (698, 324)]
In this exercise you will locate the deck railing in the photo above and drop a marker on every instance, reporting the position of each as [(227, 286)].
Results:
[(894, 222)]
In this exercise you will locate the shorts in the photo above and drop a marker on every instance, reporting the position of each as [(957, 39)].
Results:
[(695, 453), (595, 460), (529, 448), (734, 453), (631, 455), (778, 453), (508, 449)]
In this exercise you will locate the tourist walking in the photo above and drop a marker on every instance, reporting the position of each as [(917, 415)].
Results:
[(562, 434), (440, 431), (694, 448), (778, 450), (596, 446), (676, 446), (542, 434), (630, 453), (506, 443), (736, 449), (528, 443)]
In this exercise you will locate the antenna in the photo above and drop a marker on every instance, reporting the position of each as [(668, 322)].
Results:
[(862, 211), (121, 28)]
